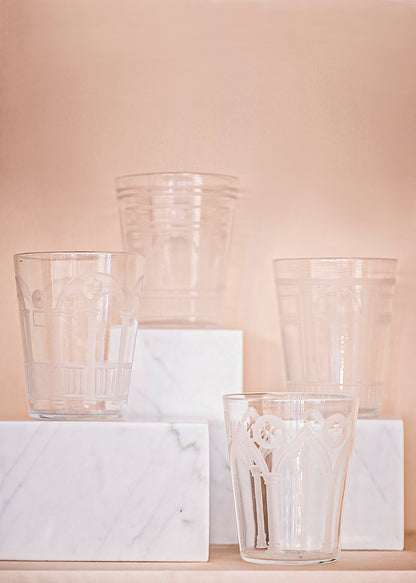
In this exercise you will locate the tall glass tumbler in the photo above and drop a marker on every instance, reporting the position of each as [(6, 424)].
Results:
[(182, 223), (79, 315), (289, 455), (335, 316)]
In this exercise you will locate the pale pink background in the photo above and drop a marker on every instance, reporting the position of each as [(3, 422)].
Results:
[(311, 103)]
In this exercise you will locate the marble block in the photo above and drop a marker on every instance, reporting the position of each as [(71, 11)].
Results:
[(104, 491), (186, 373), (373, 515)]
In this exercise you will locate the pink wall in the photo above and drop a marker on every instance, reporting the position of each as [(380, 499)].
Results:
[(311, 103)]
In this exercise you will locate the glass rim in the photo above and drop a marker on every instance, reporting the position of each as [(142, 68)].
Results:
[(291, 397), (305, 259), (225, 185), (225, 177), (39, 255)]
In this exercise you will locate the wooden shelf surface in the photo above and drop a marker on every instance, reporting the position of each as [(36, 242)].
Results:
[(225, 566)]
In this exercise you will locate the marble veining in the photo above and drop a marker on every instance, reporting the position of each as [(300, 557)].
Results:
[(99, 491), (185, 373)]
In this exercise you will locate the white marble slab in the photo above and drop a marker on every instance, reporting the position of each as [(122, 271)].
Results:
[(102, 491), (373, 517), (186, 373)]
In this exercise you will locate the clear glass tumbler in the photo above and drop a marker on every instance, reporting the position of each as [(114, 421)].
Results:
[(182, 223), (335, 316), (79, 314), (289, 455)]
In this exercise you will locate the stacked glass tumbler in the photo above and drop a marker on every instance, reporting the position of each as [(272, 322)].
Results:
[(182, 222)]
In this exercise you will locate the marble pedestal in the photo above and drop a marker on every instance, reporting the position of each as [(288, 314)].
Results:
[(182, 373), (186, 373), (373, 515), (104, 491)]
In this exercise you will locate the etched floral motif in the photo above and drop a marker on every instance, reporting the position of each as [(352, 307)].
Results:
[(314, 419), (334, 430), (249, 419), (268, 431), (39, 299)]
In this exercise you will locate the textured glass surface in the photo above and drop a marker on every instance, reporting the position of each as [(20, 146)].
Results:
[(289, 455), (335, 316), (79, 316), (182, 223)]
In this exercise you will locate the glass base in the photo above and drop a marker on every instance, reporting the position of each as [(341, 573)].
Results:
[(268, 557), (177, 324), (180, 308), (77, 411), (73, 416), (369, 413)]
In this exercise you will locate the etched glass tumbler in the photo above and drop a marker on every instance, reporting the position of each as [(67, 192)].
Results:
[(289, 454), (335, 316), (79, 314), (182, 223)]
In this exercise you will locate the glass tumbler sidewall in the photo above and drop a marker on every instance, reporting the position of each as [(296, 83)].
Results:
[(335, 322), (79, 314), (289, 454), (182, 222)]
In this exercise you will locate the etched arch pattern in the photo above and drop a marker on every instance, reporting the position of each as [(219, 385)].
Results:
[(99, 377), (269, 444)]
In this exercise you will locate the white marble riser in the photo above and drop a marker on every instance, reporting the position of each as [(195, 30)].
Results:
[(97, 491), (373, 516), (185, 373)]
